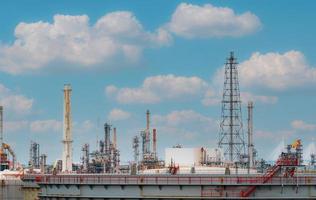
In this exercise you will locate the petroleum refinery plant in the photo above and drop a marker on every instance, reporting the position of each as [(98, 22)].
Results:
[(231, 169)]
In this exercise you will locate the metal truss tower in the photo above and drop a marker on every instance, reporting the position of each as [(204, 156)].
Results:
[(231, 127)]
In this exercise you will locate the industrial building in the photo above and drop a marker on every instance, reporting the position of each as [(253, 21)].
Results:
[(230, 170)]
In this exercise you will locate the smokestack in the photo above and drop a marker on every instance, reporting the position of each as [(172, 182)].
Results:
[(67, 140), (114, 138), (147, 120), (154, 141), (147, 133), (250, 134), (43, 163)]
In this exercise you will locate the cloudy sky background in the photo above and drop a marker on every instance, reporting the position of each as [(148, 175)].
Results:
[(122, 58)]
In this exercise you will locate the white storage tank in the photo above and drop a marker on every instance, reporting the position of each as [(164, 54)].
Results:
[(184, 157)]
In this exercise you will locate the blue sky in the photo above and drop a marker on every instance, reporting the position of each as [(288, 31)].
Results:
[(123, 57)]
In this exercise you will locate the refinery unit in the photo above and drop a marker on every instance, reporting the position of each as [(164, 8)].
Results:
[(230, 170)]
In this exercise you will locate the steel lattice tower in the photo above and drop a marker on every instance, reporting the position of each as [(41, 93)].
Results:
[(231, 128)]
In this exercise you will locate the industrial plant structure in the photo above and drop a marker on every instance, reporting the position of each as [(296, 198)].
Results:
[(230, 170)]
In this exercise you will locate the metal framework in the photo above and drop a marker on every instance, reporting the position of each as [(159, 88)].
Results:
[(85, 157), (34, 155), (106, 159), (231, 127), (136, 149)]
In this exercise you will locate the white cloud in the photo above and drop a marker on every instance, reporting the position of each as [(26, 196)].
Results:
[(13, 102), (46, 126), (158, 88), (15, 126), (116, 36), (185, 123), (84, 127), (212, 98), (178, 118), (247, 96), (193, 21), (272, 135), (276, 71), (118, 114), (39, 126), (111, 90), (301, 125)]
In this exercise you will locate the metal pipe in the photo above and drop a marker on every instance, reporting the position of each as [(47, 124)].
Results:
[(250, 135), (147, 120), (154, 141), (114, 138), (147, 133)]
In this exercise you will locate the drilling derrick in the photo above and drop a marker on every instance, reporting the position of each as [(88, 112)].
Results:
[(231, 127), (67, 140)]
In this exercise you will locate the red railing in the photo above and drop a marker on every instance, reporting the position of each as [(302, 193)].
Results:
[(170, 180), (270, 173)]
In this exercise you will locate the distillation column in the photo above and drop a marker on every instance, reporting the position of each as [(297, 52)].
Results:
[(67, 140)]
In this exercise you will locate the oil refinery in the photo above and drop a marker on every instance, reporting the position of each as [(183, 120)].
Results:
[(231, 169)]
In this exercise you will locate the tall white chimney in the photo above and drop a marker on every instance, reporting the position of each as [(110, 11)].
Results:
[(67, 139)]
